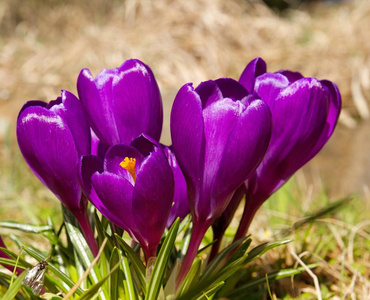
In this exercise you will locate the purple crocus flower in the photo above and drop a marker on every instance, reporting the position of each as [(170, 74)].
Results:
[(304, 113), (52, 137), (133, 188), (180, 207), (220, 134), (122, 103)]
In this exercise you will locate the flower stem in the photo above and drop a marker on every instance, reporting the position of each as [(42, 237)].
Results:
[(252, 204), (197, 234), (83, 219), (149, 251), (217, 238)]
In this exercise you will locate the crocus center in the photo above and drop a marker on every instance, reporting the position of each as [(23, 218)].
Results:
[(129, 165)]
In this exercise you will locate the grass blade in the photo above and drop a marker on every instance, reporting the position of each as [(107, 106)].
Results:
[(128, 282), (135, 260), (156, 278), (241, 291), (26, 227), (15, 287)]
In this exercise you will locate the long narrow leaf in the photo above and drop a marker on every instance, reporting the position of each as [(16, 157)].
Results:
[(26, 227), (216, 263), (15, 287), (82, 248), (128, 282), (135, 260), (241, 291), (263, 248), (114, 285), (93, 290), (209, 294), (155, 281), (191, 278)]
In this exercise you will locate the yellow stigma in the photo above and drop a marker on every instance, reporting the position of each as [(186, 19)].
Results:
[(129, 165)]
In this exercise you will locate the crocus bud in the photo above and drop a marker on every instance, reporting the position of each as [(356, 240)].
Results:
[(304, 114), (122, 103), (52, 137), (220, 134)]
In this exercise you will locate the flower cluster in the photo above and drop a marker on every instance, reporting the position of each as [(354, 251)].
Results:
[(230, 139)]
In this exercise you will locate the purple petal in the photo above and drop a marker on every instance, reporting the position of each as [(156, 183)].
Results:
[(145, 144), (89, 164), (299, 116), (246, 147), (231, 89), (71, 112), (48, 146), (254, 69), (96, 100), (187, 132), (152, 197), (180, 207), (219, 121), (115, 199), (122, 103), (136, 102), (269, 85), (335, 105), (291, 76), (209, 92)]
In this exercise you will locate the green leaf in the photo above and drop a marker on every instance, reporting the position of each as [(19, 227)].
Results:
[(156, 278), (94, 289), (205, 282), (191, 278), (135, 260), (263, 248), (26, 227), (241, 291), (210, 293), (15, 287), (82, 248), (114, 285), (128, 282), (218, 261)]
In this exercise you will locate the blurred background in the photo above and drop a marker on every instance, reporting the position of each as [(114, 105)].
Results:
[(45, 43)]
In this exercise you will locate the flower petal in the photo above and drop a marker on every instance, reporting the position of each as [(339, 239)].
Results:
[(95, 95), (208, 92), (269, 85), (152, 196), (254, 69), (231, 89), (70, 110), (187, 132), (246, 147), (180, 207), (299, 116), (136, 102), (53, 160), (115, 199)]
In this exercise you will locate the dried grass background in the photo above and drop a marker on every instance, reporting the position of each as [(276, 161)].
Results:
[(45, 43)]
